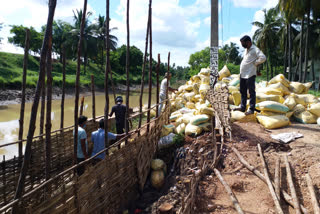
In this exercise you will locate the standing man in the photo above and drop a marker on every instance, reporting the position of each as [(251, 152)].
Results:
[(252, 57), (82, 145), (120, 112), (163, 90), (97, 138)]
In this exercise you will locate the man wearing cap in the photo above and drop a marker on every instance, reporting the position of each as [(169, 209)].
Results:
[(252, 57), (163, 90), (120, 112)]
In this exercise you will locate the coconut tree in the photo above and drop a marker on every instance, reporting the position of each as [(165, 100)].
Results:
[(60, 36)]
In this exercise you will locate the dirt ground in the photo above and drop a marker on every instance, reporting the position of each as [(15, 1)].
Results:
[(252, 193)]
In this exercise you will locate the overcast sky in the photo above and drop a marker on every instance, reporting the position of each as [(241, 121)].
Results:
[(179, 26)]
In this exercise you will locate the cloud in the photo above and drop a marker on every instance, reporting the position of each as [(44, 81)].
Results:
[(249, 3)]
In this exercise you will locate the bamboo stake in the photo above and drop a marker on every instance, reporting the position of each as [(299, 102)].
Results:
[(167, 91), (291, 185), (158, 89), (33, 117), (63, 87), (81, 105), (233, 198), (127, 70), (112, 84), (266, 175), (143, 70), (93, 99), (277, 178), (150, 64), (252, 169), (49, 106), (43, 106), (23, 96), (106, 78), (76, 102), (313, 196)]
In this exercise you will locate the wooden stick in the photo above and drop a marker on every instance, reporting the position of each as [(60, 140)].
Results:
[(93, 99), (266, 175), (63, 87), (167, 92), (150, 64), (291, 185), (252, 169), (127, 69), (313, 196), (158, 87), (43, 106), (112, 84), (23, 92), (4, 182), (229, 191), (106, 77), (81, 105), (277, 178)]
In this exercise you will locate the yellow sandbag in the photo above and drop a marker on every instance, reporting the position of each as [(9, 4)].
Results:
[(241, 117), (205, 126), (234, 82), (236, 98), (289, 114), (188, 88), (270, 91), (270, 113), (272, 106), (181, 89), (280, 87), (307, 86), (205, 71), (290, 102), (305, 99), (296, 87), (167, 129), (306, 117), (185, 118), (174, 117), (192, 130), (196, 98), (298, 109), (315, 109), (318, 121), (190, 105), (264, 97), (189, 96), (203, 90), (195, 87), (273, 122), (206, 110), (232, 89), (196, 79), (224, 72), (198, 119), (226, 80), (157, 164), (181, 128), (231, 99), (280, 78), (205, 79), (157, 178)]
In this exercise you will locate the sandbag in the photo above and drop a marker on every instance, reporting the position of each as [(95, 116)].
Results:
[(236, 98), (273, 122), (296, 87), (167, 129), (318, 121), (189, 96), (185, 118), (174, 117), (157, 178), (290, 102), (206, 110), (241, 117), (157, 164), (289, 114), (298, 109), (306, 117), (305, 99), (188, 88), (234, 82), (198, 119), (203, 90), (224, 72), (181, 128), (166, 141), (190, 105), (272, 106), (232, 89), (264, 97), (192, 130), (226, 80), (205, 79), (196, 78), (205, 126), (307, 86), (314, 109), (230, 98), (280, 78), (205, 71), (280, 87), (195, 87), (181, 89), (269, 91)]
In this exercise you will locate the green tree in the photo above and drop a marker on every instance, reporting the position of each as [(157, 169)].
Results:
[(198, 60), (19, 37), (60, 37), (232, 53)]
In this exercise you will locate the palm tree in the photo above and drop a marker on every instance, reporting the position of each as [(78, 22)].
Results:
[(60, 35)]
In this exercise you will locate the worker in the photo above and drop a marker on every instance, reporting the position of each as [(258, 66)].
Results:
[(120, 111), (163, 90), (98, 139), (252, 57), (82, 143)]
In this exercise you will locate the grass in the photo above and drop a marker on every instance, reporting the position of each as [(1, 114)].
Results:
[(315, 93)]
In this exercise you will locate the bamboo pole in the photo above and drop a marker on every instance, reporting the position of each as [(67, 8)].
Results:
[(33, 117), (49, 106), (127, 69), (93, 99), (143, 69), (76, 102), (266, 175), (233, 198), (158, 89), (23, 93), (43, 105), (167, 91), (81, 105), (63, 87), (277, 178), (112, 84), (150, 65), (106, 77), (291, 185), (315, 204), (252, 169)]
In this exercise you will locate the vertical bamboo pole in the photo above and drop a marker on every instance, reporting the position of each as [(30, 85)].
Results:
[(158, 89), (76, 103), (106, 92), (49, 100), (127, 69), (167, 91), (23, 97), (143, 71), (27, 154), (93, 99), (43, 105), (112, 84), (63, 87), (150, 66), (82, 105)]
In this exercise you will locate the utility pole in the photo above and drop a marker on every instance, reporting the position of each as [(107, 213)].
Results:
[(214, 43)]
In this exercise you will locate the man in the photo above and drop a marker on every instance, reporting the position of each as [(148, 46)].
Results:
[(252, 57), (163, 90), (82, 145), (97, 138), (120, 112)]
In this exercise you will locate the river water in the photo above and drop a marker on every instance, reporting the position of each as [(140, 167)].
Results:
[(9, 116)]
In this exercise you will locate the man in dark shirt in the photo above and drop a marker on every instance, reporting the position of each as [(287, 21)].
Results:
[(120, 112)]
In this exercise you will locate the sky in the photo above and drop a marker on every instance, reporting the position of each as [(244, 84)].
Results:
[(179, 26)]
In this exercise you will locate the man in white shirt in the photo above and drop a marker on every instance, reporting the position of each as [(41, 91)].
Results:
[(252, 57), (163, 90)]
